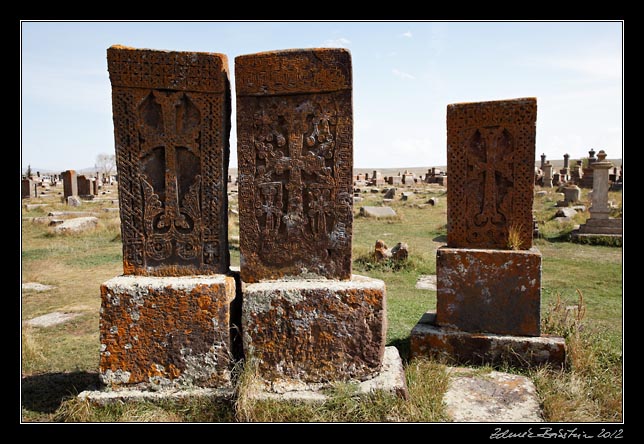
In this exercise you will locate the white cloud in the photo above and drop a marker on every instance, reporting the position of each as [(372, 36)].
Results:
[(402, 75), (593, 66), (340, 42), (407, 34)]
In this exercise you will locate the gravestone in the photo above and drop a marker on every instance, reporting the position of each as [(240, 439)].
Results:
[(171, 114), (84, 186), (95, 186), (600, 222), (586, 179), (295, 164), (377, 179), (489, 274), (543, 160), (70, 184), (572, 194), (305, 318), (167, 321), (547, 175), (26, 188)]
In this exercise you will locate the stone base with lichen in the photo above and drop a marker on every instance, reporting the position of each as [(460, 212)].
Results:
[(315, 331), (429, 339), (167, 331)]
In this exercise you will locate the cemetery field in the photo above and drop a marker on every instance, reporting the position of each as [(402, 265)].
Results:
[(61, 360)]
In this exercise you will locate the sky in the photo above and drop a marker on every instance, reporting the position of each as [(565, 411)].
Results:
[(404, 76)]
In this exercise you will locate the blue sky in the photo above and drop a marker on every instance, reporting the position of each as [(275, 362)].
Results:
[(405, 74)]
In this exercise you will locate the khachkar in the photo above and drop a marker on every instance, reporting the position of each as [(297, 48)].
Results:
[(600, 223), (489, 274), (305, 317), (167, 320)]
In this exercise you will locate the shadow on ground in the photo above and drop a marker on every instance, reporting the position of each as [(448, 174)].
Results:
[(441, 238), (45, 392), (402, 344)]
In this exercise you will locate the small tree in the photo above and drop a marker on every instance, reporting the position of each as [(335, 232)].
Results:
[(106, 164)]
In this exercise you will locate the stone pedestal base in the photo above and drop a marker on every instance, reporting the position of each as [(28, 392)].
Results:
[(601, 226), (484, 348), (494, 291), (167, 331), (315, 330)]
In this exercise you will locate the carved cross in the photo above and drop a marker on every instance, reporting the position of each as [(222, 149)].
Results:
[(167, 124), (495, 143)]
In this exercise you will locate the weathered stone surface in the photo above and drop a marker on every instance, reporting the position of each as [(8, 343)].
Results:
[(426, 282), (51, 319), (491, 397), (121, 395), (315, 330), (171, 125), (379, 212), (406, 195), (600, 222), (84, 185), (30, 207), (541, 193), (71, 213), (166, 330), (490, 163), (76, 225), (381, 252), (74, 201), (400, 251), (391, 379), (433, 201), (70, 185), (295, 155), (35, 286), (390, 194), (494, 291), (484, 348)]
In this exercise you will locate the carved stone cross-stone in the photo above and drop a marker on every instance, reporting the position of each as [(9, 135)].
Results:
[(171, 125), (294, 127)]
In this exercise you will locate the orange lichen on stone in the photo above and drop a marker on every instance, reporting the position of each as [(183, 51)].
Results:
[(160, 330), (316, 331), (494, 291)]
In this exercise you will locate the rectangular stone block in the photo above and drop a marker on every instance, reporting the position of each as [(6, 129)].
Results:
[(26, 188), (295, 155), (429, 339), (70, 184), (490, 165), (84, 185), (494, 291), (171, 125), (167, 331), (315, 330)]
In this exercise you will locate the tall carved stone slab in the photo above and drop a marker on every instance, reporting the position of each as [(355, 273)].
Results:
[(490, 164), (70, 184), (295, 154), (171, 126)]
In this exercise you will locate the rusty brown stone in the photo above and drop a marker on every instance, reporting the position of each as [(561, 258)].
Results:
[(400, 251), (490, 165), (381, 252), (464, 347), (84, 185), (171, 125), (315, 331), (493, 291), (166, 330), (295, 154), (70, 185)]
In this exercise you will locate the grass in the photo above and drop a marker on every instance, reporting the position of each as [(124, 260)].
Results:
[(62, 360)]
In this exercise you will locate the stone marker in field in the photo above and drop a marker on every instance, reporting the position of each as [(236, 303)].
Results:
[(547, 175), (377, 212), (600, 223), (489, 274), (168, 321), (70, 184), (586, 179), (84, 187), (305, 317), (26, 188)]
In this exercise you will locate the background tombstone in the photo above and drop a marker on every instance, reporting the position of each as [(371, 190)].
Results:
[(600, 222), (168, 321), (70, 184), (547, 175), (305, 317), (586, 180), (84, 186), (489, 274), (26, 188)]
